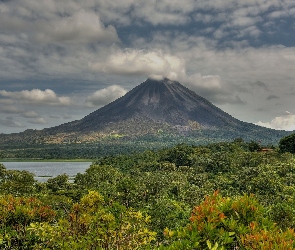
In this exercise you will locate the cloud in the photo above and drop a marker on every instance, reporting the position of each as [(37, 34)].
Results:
[(80, 28), (142, 62), (166, 13), (209, 82), (39, 120), (37, 97), (153, 12), (54, 116), (270, 97), (260, 84), (211, 87), (105, 96), (66, 116), (10, 109), (6, 101), (9, 122), (30, 114), (285, 122)]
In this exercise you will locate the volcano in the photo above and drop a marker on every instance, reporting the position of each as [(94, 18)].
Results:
[(163, 102), (153, 107)]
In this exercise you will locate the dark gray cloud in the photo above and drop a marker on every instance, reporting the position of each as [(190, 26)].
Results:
[(9, 122), (270, 97), (67, 116), (54, 116), (260, 84), (10, 109)]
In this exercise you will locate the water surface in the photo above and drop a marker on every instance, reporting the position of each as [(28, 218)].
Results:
[(45, 170)]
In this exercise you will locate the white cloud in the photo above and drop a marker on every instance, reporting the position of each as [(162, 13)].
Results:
[(142, 62), (278, 14), (39, 120), (30, 114), (250, 31), (286, 122), (80, 28), (105, 96), (205, 82), (244, 21), (37, 96), (154, 16)]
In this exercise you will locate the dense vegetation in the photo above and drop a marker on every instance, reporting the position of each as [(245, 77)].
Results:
[(219, 196), (116, 145), (287, 144)]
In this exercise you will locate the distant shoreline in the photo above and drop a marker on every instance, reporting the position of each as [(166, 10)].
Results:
[(43, 160)]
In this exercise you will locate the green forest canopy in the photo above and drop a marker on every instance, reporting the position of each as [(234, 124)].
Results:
[(218, 196)]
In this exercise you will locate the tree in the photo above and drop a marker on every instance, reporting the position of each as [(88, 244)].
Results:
[(254, 146), (16, 182), (287, 144), (60, 182)]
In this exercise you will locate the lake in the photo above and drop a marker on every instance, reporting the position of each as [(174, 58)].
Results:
[(45, 170)]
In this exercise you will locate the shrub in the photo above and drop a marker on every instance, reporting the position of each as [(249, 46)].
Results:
[(287, 144), (225, 223)]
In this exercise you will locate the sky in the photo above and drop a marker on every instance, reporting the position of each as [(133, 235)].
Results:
[(61, 60)]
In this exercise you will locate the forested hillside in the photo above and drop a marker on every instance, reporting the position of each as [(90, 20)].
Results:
[(220, 196)]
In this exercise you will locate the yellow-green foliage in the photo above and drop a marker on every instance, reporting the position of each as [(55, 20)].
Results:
[(16, 213), (92, 224)]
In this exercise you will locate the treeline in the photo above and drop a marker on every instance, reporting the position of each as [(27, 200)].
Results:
[(219, 196), (127, 144)]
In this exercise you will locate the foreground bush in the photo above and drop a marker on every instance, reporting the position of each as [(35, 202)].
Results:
[(92, 224), (225, 223), (16, 214)]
